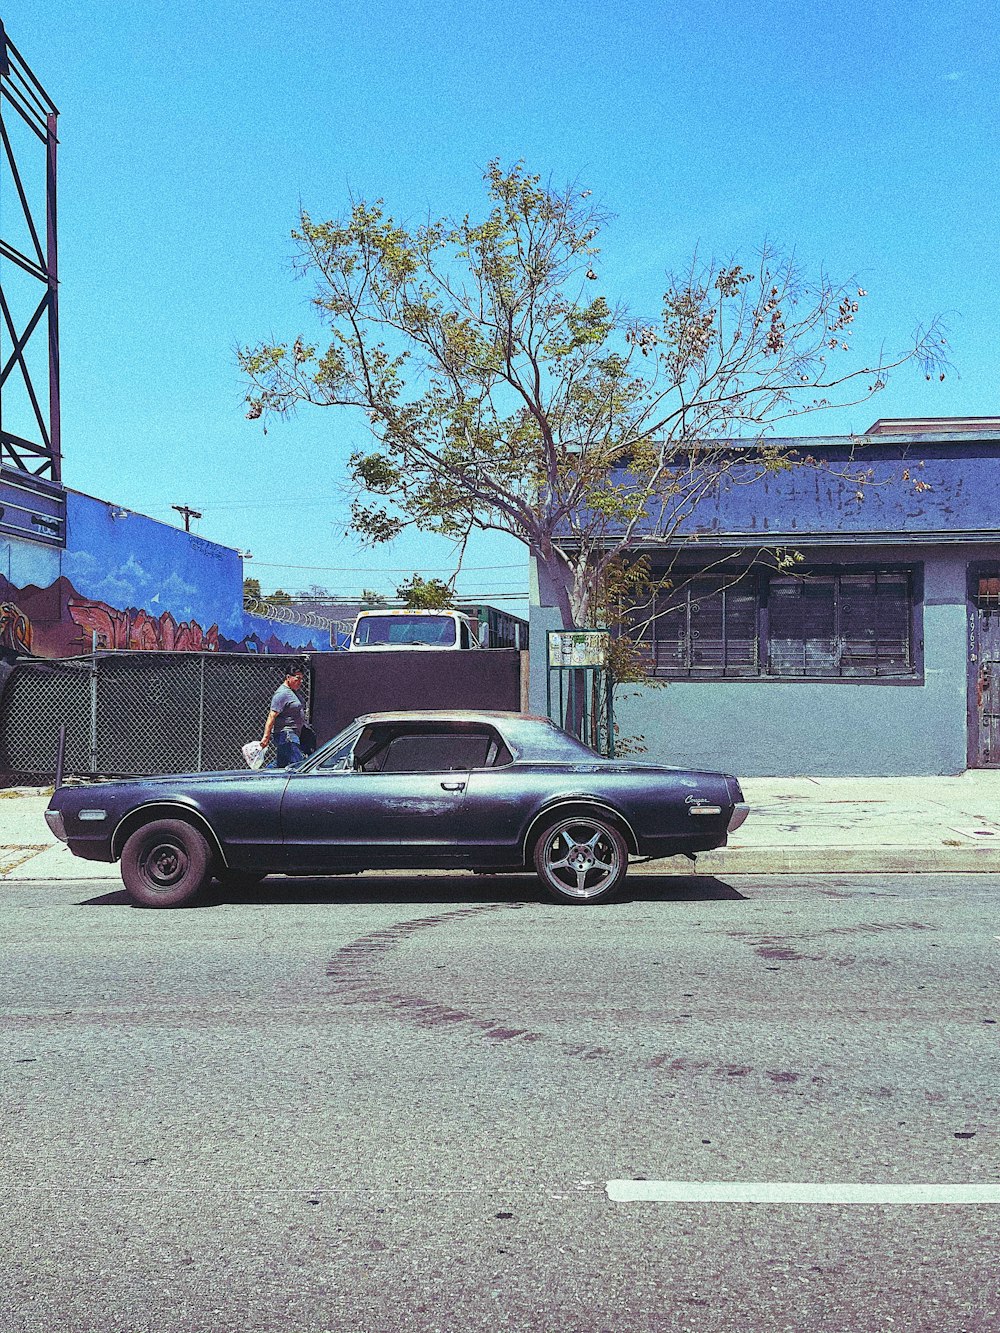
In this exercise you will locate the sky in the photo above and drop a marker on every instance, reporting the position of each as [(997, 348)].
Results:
[(865, 136)]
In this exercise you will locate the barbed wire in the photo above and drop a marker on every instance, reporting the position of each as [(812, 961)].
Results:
[(288, 615)]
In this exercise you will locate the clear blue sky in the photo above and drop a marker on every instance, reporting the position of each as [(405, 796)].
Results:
[(865, 135)]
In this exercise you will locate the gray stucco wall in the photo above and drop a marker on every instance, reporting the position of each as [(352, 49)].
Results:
[(767, 727)]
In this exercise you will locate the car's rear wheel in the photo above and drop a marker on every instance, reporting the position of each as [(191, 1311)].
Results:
[(165, 864), (581, 859)]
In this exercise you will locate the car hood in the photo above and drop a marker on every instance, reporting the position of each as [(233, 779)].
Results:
[(172, 781)]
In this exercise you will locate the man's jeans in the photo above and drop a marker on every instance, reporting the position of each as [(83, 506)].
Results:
[(288, 748)]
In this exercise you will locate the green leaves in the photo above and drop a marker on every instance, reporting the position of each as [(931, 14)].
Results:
[(376, 472), (426, 594)]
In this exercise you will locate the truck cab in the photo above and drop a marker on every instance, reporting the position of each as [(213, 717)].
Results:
[(376, 630)]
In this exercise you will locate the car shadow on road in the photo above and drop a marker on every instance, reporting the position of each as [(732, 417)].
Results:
[(678, 888), (435, 889)]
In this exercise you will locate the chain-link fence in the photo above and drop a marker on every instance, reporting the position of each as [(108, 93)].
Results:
[(138, 712)]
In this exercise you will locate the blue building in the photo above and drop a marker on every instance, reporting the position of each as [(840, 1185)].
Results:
[(877, 652)]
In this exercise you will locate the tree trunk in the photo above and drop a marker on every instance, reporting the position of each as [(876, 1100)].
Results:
[(564, 590), (560, 580)]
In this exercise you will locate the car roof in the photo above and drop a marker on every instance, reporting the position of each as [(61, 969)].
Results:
[(529, 735), (453, 715)]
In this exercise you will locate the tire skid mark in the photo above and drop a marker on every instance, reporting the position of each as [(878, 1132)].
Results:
[(673, 1066), (877, 928), (861, 928), (782, 948), (350, 971)]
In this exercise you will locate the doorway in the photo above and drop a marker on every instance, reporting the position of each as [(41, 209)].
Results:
[(984, 673)]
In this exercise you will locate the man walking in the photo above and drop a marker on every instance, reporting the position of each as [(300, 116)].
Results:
[(286, 720)]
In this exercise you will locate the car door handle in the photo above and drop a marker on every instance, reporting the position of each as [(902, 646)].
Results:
[(453, 786)]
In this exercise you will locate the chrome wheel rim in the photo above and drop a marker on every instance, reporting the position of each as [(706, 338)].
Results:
[(580, 858)]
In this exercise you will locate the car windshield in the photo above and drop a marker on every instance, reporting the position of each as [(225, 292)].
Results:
[(336, 753), (436, 630)]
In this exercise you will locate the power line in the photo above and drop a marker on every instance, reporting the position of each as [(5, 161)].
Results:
[(368, 569), (225, 507)]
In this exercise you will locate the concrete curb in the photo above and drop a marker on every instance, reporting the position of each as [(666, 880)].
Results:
[(832, 861), (57, 864)]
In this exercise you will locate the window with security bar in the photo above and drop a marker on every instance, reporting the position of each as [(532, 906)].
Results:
[(856, 623), (706, 626)]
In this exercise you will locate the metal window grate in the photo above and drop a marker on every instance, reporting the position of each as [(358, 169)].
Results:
[(851, 623), (707, 626)]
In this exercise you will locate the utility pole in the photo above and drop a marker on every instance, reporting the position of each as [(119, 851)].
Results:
[(189, 514)]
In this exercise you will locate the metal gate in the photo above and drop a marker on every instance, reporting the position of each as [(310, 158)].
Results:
[(989, 714), (142, 712)]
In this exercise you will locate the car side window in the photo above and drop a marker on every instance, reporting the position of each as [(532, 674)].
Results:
[(387, 749), (498, 755), (370, 751), (436, 752)]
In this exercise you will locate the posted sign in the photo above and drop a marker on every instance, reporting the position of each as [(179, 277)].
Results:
[(579, 648)]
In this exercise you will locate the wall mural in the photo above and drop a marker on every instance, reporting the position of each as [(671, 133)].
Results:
[(136, 628), (15, 628), (129, 582), (28, 625)]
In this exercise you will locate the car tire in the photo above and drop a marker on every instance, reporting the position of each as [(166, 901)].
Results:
[(165, 864), (581, 859)]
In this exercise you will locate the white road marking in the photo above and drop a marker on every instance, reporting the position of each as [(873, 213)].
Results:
[(777, 1191)]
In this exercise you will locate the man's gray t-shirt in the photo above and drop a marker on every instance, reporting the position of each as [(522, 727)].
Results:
[(290, 709)]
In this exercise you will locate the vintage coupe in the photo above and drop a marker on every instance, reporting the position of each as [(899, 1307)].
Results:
[(485, 791)]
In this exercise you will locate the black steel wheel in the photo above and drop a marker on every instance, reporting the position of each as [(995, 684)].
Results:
[(165, 864), (581, 859)]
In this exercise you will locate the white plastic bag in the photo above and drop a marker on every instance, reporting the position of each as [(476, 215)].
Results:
[(253, 753)]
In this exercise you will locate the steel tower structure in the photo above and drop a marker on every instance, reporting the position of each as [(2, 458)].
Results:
[(29, 284)]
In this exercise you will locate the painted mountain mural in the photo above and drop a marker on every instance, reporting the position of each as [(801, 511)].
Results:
[(58, 622)]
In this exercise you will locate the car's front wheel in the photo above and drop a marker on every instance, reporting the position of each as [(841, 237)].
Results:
[(165, 864), (581, 859)]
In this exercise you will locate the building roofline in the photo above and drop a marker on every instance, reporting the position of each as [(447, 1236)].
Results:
[(934, 426), (137, 513), (883, 537), (815, 443)]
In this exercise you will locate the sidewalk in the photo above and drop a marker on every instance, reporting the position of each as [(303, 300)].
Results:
[(865, 826), (809, 826)]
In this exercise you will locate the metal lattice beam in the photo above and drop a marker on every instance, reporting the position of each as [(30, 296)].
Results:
[(29, 387)]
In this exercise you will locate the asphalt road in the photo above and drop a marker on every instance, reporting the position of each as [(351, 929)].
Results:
[(395, 1103)]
